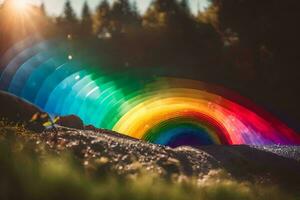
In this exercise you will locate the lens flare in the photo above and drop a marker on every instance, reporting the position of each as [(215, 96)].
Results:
[(162, 110), (20, 5)]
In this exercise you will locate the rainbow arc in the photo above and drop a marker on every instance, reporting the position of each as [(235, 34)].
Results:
[(162, 110)]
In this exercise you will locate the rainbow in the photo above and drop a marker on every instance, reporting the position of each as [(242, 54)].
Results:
[(161, 110)]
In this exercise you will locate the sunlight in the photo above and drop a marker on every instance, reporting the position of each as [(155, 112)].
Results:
[(20, 5)]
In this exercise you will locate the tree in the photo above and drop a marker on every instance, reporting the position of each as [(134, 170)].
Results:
[(136, 18), (69, 14), (120, 14), (86, 20), (124, 16), (210, 16), (184, 4), (171, 16), (42, 9), (101, 25), (166, 13), (68, 22)]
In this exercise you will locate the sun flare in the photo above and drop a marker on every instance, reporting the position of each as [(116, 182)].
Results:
[(20, 5)]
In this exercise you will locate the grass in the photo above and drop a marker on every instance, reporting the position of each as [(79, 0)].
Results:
[(29, 170)]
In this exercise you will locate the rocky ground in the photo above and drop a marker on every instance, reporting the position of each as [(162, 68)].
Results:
[(127, 156), (269, 164)]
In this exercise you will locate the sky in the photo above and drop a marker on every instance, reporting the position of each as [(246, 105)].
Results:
[(55, 7)]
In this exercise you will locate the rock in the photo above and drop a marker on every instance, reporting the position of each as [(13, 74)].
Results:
[(17, 111), (124, 154), (247, 162), (71, 121), (90, 128), (105, 150)]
